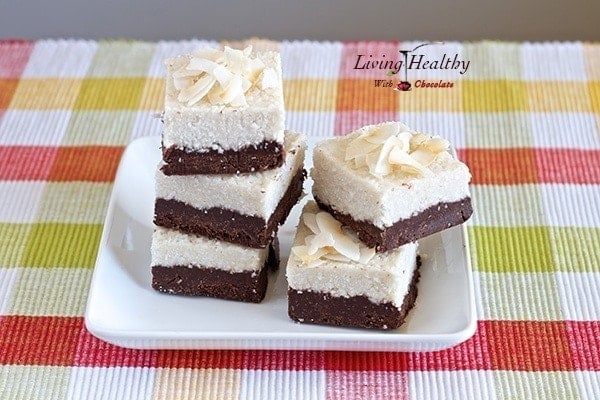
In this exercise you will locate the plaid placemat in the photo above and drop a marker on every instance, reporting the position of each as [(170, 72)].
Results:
[(525, 118)]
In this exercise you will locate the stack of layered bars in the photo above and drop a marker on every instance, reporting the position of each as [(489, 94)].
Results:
[(377, 192), (229, 174)]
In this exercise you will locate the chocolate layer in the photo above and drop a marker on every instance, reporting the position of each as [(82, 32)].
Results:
[(433, 219), (274, 253), (260, 157), (356, 311), (249, 286), (228, 225)]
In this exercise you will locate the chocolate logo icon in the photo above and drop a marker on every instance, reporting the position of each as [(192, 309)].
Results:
[(403, 86)]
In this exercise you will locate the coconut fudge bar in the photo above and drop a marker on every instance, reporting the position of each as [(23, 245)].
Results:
[(334, 279), (224, 112), (239, 208), (391, 185), (197, 266)]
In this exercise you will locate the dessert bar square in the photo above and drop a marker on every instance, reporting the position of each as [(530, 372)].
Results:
[(223, 112), (391, 185), (334, 279), (197, 266), (241, 208)]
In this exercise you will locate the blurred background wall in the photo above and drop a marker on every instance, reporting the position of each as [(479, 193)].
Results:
[(533, 20)]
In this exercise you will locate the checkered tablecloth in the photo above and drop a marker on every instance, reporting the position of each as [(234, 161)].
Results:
[(525, 118)]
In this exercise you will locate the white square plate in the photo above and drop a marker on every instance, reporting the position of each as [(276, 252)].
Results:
[(124, 310)]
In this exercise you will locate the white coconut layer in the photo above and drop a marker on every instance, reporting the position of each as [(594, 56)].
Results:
[(385, 200), (384, 279), (256, 194), (203, 126), (173, 248)]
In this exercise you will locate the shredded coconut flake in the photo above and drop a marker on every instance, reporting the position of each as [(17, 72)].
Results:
[(329, 240), (393, 148), (221, 77)]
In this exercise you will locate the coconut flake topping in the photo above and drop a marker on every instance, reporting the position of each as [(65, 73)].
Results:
[(221, 77), (391, 147)]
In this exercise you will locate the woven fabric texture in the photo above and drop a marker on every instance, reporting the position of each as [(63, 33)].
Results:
[(524, 117)]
